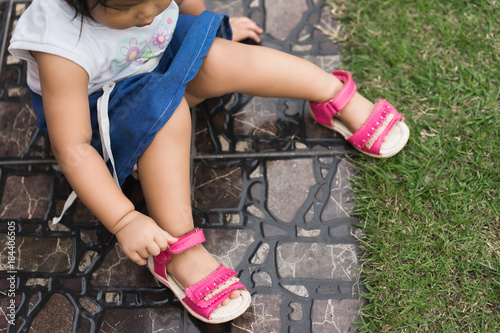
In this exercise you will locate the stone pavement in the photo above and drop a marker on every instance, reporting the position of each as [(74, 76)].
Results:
[(270, 188)]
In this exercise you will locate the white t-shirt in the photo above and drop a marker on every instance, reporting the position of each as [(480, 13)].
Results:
[(106, 54)]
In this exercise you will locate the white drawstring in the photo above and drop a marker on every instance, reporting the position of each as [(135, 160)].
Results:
[(103, 121), (67, 204)]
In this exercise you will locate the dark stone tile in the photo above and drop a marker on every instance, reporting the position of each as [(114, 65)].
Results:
[(334, 316), (216, 187), (262, 317), (56, 316), (8, 306), (289, 185), (258, 118), (342, 230), (35, 254), (17, 126), (317, 261), (340, 202), (202, 136), (82, 214), (119, 271), (228, 246), (25, 197), (283, 16), (164, 319)]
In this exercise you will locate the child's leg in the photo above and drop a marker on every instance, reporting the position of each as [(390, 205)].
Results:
[(164, 173), (260, 71)]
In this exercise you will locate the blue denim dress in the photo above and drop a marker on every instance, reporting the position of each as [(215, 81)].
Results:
[(139, 106)]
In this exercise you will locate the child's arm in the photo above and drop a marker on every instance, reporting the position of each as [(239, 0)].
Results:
[(66, 108), (242, 27)]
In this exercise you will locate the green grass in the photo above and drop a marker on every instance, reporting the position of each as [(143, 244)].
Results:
[(430, 214)]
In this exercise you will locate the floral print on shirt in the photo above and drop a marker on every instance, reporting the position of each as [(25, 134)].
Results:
[(138, 49)]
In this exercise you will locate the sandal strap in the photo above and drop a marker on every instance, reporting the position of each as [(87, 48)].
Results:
[(183, 243), (370, 136), (214, 289), (324, 112)]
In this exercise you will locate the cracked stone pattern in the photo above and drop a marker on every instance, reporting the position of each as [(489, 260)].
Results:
[(35, 254), (316, 260), (340, 203), (262, 279), (297, 290), (28, 195), (261, 255), (118, 270), (257, 118), (17, 126), (263, 316), (220, 187), (282, 222), (228, 246), (164, 319), (334, 316)]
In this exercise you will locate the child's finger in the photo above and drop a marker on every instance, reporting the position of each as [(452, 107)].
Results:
[(170, 239), (162, 241), (154, 249), (253, 36), (143, 253), (254, 27), (135, 257)]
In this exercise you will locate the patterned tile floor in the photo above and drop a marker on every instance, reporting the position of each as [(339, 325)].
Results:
[(270, 188)]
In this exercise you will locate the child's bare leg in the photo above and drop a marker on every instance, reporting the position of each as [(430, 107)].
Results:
[(164, 173), (260, 71)]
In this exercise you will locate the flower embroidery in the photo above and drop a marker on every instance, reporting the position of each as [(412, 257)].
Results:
[(129, 53), (162, 37), (138, 50)]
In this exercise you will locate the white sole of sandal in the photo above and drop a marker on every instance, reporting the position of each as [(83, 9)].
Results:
[(224, 313)]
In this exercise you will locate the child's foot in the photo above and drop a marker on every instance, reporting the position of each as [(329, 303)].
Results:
[(193, 265), (208, 290), (375, 130)]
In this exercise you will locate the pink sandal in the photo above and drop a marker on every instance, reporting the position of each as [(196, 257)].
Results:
[(202, 299), (369, 139)]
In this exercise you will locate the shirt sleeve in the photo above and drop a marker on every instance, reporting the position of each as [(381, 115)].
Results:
[(31, 34)]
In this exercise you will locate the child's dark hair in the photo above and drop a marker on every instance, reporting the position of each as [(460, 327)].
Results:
[(82, 10), (80, 6)]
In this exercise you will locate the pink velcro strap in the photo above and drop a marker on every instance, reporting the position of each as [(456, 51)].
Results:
[(345, 94), (183, 243), (371, 135), (324, 112)]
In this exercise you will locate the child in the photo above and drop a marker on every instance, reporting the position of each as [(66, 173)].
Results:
[(113, 80)]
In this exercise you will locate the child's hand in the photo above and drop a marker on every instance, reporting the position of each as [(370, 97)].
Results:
[(141, 237), (243, 28)]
